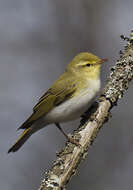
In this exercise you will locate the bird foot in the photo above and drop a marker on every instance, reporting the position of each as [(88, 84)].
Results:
[(73, 141)]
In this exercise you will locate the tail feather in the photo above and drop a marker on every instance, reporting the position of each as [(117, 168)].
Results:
[(33, 118), (21, 140), (27, 123)]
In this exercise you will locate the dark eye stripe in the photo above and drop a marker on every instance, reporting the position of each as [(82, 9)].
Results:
[(88, 65)]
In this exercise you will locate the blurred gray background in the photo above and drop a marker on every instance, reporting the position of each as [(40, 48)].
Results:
[(37, 40)]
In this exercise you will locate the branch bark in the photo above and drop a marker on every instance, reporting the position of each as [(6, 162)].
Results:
[(70, 157)]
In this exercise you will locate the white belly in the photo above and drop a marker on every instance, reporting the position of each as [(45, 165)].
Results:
[(73, 108)]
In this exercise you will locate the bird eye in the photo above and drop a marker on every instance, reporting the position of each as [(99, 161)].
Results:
[(88, 65)]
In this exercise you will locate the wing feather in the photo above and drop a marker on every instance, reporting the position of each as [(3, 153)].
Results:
[(59, 92)]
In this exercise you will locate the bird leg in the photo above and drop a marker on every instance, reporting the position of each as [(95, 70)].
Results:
[(73, 141)]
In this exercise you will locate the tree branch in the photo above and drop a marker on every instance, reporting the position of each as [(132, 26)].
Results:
[(70, 157)]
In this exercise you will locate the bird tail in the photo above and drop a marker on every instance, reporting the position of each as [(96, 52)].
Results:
[(21, 140)]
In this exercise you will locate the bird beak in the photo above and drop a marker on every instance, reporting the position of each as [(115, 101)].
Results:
[(102, 61)]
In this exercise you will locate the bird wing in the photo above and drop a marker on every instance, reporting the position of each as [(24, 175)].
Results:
[(59, 92)]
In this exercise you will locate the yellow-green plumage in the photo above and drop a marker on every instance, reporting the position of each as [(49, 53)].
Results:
[(58, 93), (76, 79)]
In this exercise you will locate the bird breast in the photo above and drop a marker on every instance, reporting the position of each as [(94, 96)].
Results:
[(74, 107)]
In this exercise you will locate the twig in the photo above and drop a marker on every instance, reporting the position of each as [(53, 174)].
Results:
[(70, 157)]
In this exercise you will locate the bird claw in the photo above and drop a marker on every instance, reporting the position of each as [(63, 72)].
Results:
[(73, 141)]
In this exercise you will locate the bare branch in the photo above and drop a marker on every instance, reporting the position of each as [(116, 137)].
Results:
[(70, 157)]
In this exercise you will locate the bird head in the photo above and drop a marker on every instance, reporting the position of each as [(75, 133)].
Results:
[(86, 64)]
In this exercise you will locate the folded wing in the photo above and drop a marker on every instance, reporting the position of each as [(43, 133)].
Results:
[(59, 92)]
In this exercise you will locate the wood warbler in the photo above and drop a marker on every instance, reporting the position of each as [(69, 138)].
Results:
[(67, 99)]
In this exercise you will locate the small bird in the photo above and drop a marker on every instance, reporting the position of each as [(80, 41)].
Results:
[(67, 99)]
